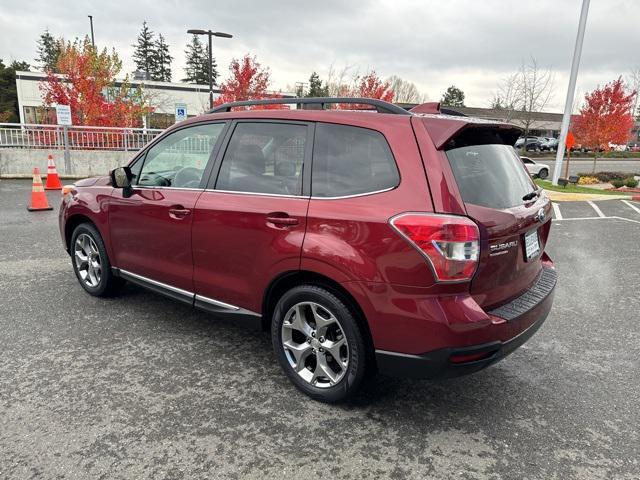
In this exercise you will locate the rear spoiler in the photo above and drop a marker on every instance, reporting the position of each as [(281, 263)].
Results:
[(442, 128)]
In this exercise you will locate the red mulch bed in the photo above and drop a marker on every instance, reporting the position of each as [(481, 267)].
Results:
[(624, 190)]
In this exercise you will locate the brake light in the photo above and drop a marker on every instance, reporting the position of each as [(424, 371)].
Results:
[(450, 243)]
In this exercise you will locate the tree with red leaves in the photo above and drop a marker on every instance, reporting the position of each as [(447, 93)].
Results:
[(86, 82), (605, 118), (372, 86), (248, 80), (368, 86)]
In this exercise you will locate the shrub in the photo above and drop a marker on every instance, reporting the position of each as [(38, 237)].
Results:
[(631, 182), (588, 180), (605, 177), (617, 183)]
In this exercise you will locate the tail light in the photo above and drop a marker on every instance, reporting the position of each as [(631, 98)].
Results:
[(450, 243)]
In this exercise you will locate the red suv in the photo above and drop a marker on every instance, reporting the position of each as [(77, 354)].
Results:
[(409, 243)]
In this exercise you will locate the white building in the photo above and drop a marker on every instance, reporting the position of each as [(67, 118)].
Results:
[(164, 97)]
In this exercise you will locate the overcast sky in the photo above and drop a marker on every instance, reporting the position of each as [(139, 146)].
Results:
[(433, 43)]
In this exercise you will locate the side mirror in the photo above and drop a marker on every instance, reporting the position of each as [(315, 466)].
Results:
[(121, 178)]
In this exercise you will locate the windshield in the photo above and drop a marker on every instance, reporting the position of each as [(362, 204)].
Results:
[(490, 175)]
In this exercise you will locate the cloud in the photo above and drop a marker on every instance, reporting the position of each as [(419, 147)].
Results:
[(434, 43)]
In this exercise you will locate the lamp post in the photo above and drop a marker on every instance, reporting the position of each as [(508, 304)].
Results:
[(210, 34), (566, 117), (93, 43)]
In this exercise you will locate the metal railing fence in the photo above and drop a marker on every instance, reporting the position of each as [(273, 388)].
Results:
[(15, 135)]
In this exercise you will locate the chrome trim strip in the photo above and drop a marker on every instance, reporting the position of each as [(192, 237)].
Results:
[(160, 187), (257, 193), (156, 283), (186, 293), (217, 303), (355, 195), (300, 196)]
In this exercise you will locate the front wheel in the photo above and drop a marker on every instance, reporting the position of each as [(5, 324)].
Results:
[(319, 344), (544, 173), (91, 263)]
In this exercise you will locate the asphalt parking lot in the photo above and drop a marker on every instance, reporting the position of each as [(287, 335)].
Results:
[(142, 387)]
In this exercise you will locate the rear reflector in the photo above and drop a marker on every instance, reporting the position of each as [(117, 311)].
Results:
[(450, 243), (472, 357)]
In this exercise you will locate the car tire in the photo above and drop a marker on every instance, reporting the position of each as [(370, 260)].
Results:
[(91, 263), (317, 326), (543, 173)]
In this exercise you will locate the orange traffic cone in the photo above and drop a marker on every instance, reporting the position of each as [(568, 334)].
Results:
[(53, 181), (38, 197)]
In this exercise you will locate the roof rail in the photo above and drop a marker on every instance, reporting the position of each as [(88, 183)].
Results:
[(380, 105)]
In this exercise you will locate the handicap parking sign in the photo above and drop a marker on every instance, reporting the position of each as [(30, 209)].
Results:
[(181, 112)]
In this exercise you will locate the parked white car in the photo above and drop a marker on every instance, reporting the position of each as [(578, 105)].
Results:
[(539, 170)]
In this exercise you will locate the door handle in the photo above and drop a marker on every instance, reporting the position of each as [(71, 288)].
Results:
[(283, 220), (179, 212)]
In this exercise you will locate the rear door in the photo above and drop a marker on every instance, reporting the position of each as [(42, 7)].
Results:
[(514, 217), (249, 224)]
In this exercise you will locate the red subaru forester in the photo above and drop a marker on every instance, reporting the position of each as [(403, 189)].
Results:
[(405, 242)]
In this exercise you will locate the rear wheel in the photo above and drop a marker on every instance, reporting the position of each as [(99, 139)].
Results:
[(319, 343), (91, 263), (544, 173)]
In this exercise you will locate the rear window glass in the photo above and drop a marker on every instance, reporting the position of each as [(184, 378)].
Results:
[(350, 161), (490, 175)]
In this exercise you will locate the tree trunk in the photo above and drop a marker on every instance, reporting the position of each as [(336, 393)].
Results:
[(595, 157)]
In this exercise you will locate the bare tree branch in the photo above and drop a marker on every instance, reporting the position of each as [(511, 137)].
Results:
[(524, 93), (405, 91)]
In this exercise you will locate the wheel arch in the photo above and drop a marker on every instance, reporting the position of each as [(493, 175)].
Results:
[(288, 280), (72, 222)]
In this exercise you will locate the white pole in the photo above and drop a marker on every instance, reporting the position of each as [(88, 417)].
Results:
[(566, 118)]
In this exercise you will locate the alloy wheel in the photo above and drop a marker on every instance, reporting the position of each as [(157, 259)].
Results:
[(87, 260), (315, 344)]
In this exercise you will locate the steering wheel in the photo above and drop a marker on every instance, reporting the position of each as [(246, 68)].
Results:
[(187, 177)]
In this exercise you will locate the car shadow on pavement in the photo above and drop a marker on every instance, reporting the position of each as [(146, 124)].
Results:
[(486, 394)]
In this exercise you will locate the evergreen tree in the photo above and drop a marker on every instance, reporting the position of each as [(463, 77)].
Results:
[(48, 52), (315, 87), (197, 61), (162, 61), (144, 54), (8, 94), (453, 97)]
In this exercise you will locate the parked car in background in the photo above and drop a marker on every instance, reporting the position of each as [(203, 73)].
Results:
[(536, 170), (618, 147), (532, 144), (406, 243), (549, 144)]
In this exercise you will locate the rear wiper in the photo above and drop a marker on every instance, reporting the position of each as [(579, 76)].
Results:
[(530, 196)]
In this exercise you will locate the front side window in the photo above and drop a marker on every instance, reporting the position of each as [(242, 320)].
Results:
[(264, 158), (351, 161), (179, 159)]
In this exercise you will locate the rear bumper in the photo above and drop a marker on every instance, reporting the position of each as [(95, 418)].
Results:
[(524, 314)]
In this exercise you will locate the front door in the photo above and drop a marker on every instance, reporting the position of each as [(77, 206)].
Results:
[(151, 229), (249, 225)]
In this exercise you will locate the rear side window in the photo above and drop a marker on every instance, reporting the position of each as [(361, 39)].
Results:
[(264, 158), (350, 161), (490, 175)]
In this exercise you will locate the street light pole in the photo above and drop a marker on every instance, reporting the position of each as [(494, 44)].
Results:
[(568, 106), (210, 34), (93, 43), (210, 70)]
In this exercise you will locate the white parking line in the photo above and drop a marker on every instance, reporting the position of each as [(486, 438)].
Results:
[(597, 218), (631, 205), (556, 210), (596, 208)]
